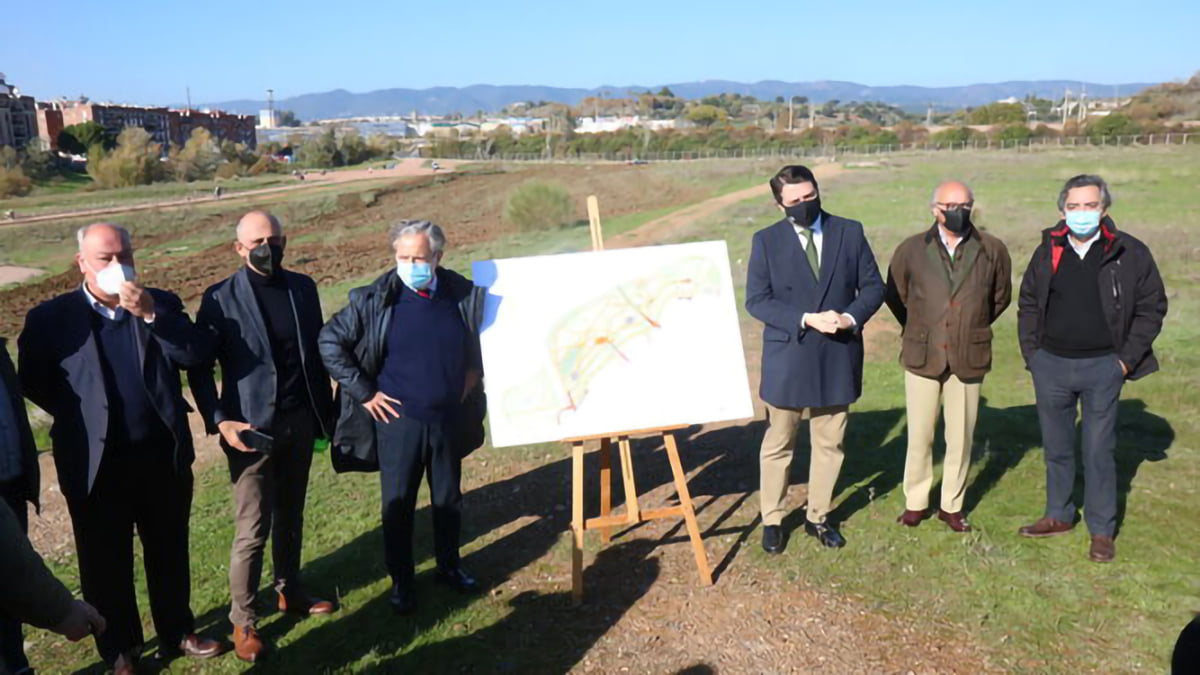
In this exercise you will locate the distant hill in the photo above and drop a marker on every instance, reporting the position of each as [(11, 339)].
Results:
[(467, 100)]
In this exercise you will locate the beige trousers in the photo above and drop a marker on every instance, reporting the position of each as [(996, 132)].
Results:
[(923, 397), (827, 428)]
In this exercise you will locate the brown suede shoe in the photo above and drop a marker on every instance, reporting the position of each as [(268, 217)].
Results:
[(304, 605), (199, 647), (955, 521), (247, 644), (1046, 527), (912, 518), (1103, 549)]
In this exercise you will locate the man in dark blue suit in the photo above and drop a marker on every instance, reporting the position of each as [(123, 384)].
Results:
[(104, 361), (814, 283)]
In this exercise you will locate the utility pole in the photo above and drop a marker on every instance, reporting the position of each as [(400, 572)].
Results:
[(1082, 114), (1066, 106), (189, 97), (271, 108), (929, 115)]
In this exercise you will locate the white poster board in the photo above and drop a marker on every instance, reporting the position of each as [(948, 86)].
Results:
[(583, 344)]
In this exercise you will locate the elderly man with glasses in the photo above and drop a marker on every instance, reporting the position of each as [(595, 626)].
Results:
[(946, 286)]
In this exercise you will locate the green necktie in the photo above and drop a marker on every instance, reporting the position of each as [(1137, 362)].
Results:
[(810, 252)]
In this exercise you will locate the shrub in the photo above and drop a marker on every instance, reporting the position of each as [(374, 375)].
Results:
[(14, 182), (536, 205), (135, 161)]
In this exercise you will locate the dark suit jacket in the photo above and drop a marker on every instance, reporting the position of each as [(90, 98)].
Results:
[(60, 371), (229, 312), (29, 483), (801, 367)]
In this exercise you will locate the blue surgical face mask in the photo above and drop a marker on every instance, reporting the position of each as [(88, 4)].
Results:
[(1083, 224), (415, 275)]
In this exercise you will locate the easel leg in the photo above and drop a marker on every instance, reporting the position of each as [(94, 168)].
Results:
[(605, 486), (577, 523), (689, 512), (631, 495)]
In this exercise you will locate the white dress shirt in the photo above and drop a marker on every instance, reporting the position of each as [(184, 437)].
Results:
[(817, 240), (1081, 248)]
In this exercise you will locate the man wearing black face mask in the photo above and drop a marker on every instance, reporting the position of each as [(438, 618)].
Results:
[(275, 400), (946, 287), (813, 282)]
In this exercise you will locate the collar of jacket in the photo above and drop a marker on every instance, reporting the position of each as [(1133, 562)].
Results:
[(1057, 237)]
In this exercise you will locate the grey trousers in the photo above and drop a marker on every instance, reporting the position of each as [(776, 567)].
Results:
[(268, 496), (1094, 386)]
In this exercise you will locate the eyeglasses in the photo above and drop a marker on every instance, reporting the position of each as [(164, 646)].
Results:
[(951, 206)]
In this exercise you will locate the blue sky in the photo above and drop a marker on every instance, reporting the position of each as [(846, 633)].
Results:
[(148, 52)]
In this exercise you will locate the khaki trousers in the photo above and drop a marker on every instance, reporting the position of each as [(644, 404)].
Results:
[(923, 397), (826, 428)]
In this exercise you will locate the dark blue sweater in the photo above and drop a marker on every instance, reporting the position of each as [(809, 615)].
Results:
[(426, 359), (132, 419)]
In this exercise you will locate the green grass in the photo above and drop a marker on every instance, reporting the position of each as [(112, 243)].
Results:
[(1033, 606)]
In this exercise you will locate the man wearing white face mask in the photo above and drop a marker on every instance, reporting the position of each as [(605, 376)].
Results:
[(1091, 304), (104, 362), (405, 354)]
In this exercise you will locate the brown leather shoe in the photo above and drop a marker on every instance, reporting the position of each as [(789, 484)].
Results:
[(912, 518), (126, 664), (1046, 527), (1103, 549), (304, 605), (955, 521), (247, 645), (199, 647)]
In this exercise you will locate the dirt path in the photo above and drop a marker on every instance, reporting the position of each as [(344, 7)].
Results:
[(404, 168), (661, 229)]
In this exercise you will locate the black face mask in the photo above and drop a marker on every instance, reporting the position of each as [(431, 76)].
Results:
[(957, 220), (804, 214), (267, 258)]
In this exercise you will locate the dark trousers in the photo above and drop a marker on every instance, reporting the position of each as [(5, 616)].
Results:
[(1094, 385), (136, 487), (408, 450), (12, 642), (268, 494)]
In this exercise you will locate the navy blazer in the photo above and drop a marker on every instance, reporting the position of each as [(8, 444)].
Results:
[(59, 363), (230, 313), (804, 368)]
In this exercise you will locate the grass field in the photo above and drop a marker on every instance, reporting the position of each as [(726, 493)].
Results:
[(1031, 606)]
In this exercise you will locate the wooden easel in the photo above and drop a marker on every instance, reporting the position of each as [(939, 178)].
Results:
[(633, 513)]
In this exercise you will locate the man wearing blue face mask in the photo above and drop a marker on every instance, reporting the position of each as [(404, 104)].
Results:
[(1091, 304), (405, 353)]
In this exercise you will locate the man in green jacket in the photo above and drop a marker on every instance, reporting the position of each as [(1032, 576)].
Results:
[(946, 286)]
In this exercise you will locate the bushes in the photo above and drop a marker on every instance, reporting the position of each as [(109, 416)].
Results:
[(14, 182), (537, 205), (137, 160)]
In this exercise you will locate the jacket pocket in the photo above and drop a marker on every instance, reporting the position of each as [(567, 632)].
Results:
[(979, 351), (772, 334), (915, 347)]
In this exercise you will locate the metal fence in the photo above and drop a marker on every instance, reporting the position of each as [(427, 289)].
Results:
[(1022, 145)]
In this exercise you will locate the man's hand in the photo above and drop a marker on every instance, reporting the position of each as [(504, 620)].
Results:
[(821, 322), (83, 620), (136, 300), (379, 407), (845, 322), (1124, 368), (229, 431)]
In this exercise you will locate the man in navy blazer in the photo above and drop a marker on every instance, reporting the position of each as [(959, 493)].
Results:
[(104, 361), (813, 282)]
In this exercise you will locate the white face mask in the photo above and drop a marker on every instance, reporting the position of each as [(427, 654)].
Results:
[(113, 275)]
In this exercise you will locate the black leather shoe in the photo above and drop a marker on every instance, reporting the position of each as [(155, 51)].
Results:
[(772, 539), (403, 599), (824, 532), (457, 579)]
